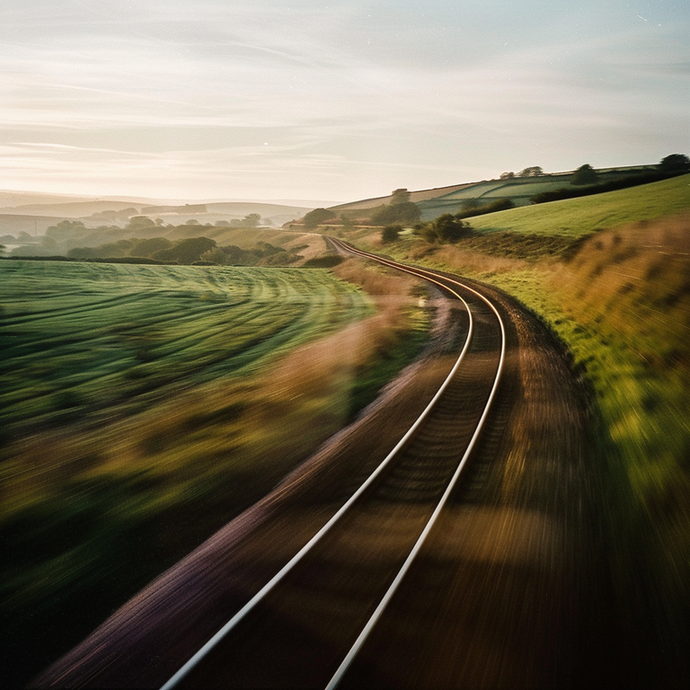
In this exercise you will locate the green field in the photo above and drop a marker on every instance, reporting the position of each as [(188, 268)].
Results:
[(81, 338), (138, 416), (577, 217)]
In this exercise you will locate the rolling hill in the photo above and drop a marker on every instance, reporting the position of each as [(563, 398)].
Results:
[(434, 202)]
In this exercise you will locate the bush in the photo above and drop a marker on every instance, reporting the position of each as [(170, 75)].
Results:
[(327, 261), (585, 174), (675, 162), (445, 229), (391, 233), (498, 205)]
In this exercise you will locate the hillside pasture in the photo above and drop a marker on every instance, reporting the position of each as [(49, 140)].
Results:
[(585, 215)]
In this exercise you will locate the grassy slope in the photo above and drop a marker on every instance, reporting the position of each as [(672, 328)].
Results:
[(622, 305), (136, 400), (577, 217)]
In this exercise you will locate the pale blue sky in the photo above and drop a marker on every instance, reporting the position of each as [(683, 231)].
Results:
[(299, 99)]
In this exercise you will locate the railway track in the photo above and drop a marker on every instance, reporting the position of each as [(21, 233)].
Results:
[(306, 626)]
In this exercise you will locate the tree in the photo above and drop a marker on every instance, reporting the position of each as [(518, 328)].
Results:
[(675, 162), (507, 175), (251, 220), (533, 171), (399, 196), (149, 247), (391, 233), (140, 223), (186, 251), (585, 174), (445, 228), (318, 215), (405, 212)]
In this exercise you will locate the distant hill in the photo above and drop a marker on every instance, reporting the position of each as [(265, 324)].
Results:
[(11, 199), (434, 202), (14, 224), (25, 210), (70, 209)]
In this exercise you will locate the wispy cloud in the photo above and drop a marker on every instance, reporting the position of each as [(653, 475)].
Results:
[(366, 96)]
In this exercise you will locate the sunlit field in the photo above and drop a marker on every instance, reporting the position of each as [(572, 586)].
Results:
[(144, 406), (577, 217), (613, 287)]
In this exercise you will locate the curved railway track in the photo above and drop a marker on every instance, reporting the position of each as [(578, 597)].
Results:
[(307, 624)]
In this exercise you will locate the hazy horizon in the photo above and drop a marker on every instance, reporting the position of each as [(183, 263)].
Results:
[(297, 101)]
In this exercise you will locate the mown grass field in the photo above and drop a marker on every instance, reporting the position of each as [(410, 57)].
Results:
[(82, 338), (142, 407)]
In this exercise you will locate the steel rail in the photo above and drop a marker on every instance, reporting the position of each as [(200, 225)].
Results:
[(195, 659), (371, 623)]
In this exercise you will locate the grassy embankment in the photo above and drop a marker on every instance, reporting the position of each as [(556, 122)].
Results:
[(138, 417), (610, 275)]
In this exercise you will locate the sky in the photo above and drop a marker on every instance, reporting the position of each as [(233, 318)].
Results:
[(311, 100)]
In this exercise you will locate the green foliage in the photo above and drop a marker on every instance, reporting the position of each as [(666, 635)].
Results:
[(470, 204), (327, 261), (252, 220), (186, 251), (317, 216), (376, 373), (532, 171), (674, 163), (391, 233), (137, 223), (585, 174), (445, 229), (399, 196), (492, 207), (149, 247), (404, 212), (262, 254)]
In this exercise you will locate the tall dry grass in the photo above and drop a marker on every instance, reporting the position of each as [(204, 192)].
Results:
[(627, 300)]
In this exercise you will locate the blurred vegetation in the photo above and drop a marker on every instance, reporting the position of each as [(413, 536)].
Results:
[(620, 300), (622, 305), (137, 418)]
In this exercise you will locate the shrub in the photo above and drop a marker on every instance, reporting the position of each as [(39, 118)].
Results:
[(444, 229), (391, 233), (585, 174)]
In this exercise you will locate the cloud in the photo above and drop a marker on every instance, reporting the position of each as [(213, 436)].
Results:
[(442, 90)]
